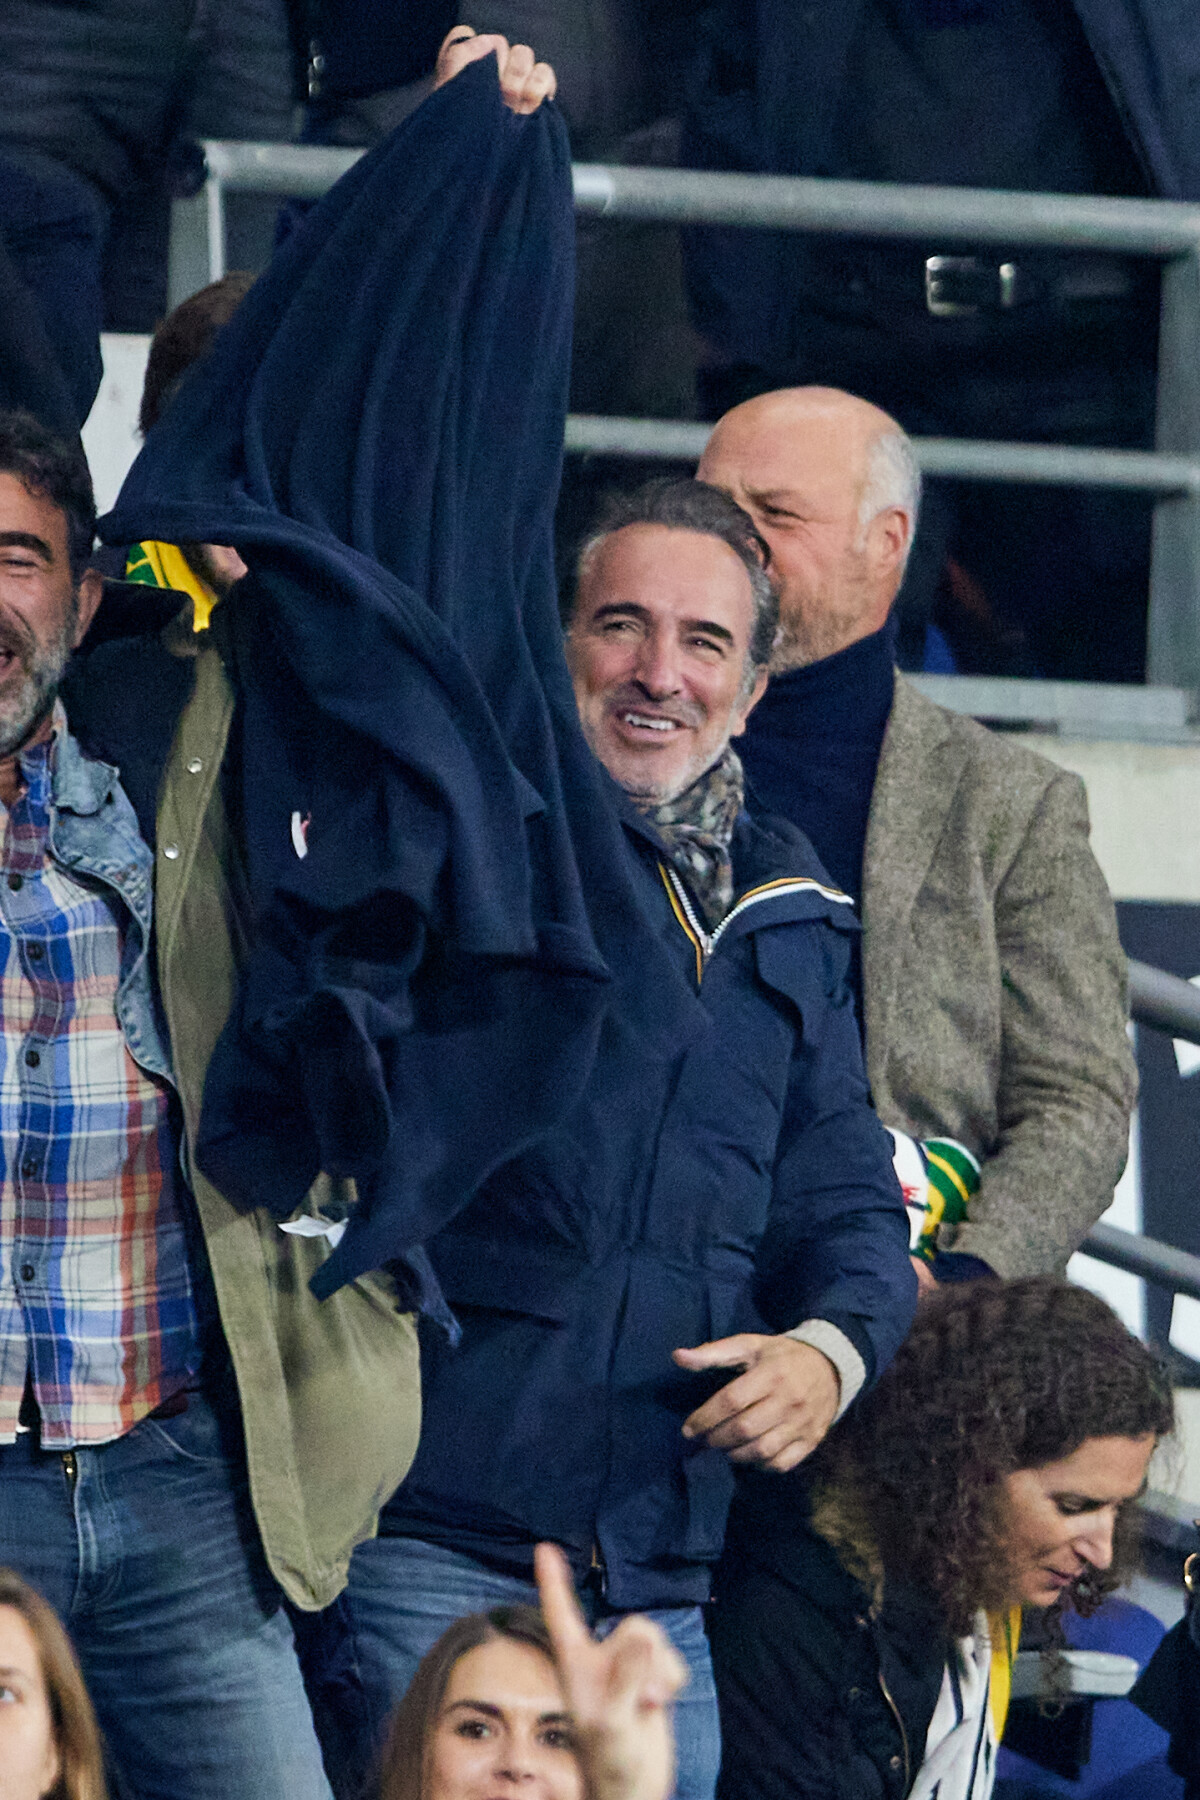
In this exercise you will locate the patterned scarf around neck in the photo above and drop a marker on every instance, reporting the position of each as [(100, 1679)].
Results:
[(697, 827)]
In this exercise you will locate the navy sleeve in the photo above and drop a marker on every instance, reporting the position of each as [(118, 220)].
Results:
[(836, 1243)]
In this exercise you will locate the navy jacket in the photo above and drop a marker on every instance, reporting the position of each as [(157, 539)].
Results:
[(766, 100), (379, 430), (745, 1184)]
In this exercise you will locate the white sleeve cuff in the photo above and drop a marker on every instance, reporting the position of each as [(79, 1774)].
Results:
[(851, 1369)]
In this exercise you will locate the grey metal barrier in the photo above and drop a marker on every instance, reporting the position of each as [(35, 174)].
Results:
[(1164, 230), (1164, 1003)]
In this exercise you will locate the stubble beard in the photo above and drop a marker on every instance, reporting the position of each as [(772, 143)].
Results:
[(26, 702), (822, 624)]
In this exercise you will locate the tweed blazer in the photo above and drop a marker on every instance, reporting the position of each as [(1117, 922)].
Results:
[(994, 985)]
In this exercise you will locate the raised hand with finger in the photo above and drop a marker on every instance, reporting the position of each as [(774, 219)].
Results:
[(618, 1689)]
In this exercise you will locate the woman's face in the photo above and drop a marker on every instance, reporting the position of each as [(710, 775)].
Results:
[(28, 1758), (502, 1729), (1059, 1518)]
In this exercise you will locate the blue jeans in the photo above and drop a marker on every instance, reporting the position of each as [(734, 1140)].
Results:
[(149, 1554), (403, 1593)]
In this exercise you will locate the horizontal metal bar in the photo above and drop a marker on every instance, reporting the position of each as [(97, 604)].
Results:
[(302, 171), (1056, 465), (1160, 1263), (887, 209), (1165, 1002), (676, 440), (1159, 228), (1100, 711), (665, 440)]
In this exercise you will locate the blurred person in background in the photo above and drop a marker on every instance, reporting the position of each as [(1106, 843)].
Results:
[(955, 339), (868, 1609), (49, 1742), (97, 100), (991, 981), (205, 572)]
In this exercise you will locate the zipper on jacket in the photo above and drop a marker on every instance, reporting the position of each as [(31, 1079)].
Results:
[(895, 1710), (598, 1574), (705, 942)]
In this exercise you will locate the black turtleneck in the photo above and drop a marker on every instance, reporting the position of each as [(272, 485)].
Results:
[(812, 746)]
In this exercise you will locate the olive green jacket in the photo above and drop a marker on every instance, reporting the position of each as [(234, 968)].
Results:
[(329, 1390)]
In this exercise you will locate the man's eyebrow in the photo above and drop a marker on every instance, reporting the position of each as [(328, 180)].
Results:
[(25, 540), (613, 607), (772, 496), (621, 608)]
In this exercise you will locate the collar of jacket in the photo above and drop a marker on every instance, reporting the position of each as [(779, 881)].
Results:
[(94, 832), (920, 767), (767, 854)]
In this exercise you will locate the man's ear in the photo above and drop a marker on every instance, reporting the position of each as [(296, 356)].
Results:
[(889, 536), (87, 598), (752, 699)]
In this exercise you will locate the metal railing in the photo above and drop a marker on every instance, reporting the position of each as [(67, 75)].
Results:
[(1163, 1003), (1166, 231)]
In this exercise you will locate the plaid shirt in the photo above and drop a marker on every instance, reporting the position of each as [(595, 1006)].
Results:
[(95, 1290)]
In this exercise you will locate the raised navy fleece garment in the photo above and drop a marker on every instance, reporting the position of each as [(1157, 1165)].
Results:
[(379, 430)]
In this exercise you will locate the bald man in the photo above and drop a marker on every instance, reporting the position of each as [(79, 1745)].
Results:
[(992, 983)]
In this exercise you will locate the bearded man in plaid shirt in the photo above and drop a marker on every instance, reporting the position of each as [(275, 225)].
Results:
[(125, 1491)]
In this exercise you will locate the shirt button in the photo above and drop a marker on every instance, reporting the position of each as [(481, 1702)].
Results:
[(16, 882), (28, 1167), (32, 1058), (854, 1694), (36, 952), (171, 852), (194, 765), (895, 1762), (27, 1271)]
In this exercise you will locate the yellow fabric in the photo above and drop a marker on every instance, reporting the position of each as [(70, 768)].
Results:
[(165, 566), (1005, 1632)]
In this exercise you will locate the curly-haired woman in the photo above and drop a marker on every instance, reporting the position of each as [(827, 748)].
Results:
[(867, 1610)]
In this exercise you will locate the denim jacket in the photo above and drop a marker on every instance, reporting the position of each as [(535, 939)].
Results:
[(94, 832)]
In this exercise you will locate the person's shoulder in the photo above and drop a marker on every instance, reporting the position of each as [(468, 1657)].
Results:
[(767, 847), (992, 759), (128, 681), (777, 870)]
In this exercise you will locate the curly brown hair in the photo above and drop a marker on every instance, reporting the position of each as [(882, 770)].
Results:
[(994, 1377)]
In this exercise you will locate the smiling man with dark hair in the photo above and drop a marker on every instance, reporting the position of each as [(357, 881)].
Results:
[(704, 1263)]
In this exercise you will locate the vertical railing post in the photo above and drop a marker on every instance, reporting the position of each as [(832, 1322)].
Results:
[(1173, 636), (196, 251)]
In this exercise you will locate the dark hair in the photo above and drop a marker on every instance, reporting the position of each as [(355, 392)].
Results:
[(76, 1736), (185, 335), (56, 469), (686, 505), (406, 1753), (994, 1377)]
